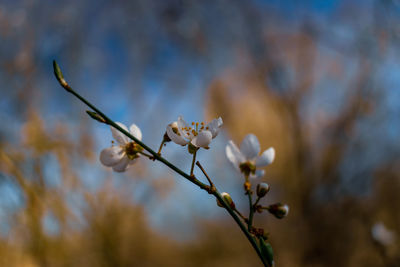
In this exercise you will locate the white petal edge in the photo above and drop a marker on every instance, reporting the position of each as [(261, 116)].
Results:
[(111, 156), (266, 158), (233, 154), (203, 139), (258, 174), (214, 126), (182, 124), (250, 147), (118, 136), (122, 165), (173, 136), (135, 131)]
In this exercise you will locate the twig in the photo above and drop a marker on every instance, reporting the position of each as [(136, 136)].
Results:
[(65, 85), (205, 174)]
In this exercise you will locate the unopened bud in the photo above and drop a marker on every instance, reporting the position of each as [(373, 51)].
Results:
[(59, 75), (262, 189), (267, 252), (279, 210), (95, 116), (227, 198)]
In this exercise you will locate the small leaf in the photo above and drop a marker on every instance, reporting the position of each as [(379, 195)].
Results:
[(266, 251)]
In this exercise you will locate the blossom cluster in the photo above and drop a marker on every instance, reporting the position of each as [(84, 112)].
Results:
[(196, 135), (246, 159)]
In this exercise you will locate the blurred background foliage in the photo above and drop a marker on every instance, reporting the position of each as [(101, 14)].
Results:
[(317, 80)]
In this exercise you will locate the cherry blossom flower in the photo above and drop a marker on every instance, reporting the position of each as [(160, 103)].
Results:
[(247, 158), (196, 134), (123, 154), (382, 235)]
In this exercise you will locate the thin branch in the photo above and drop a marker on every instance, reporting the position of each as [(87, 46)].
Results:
[(205, 174), (193, 161), (251, 212), (160, 148), (241, 215), (158, 157)]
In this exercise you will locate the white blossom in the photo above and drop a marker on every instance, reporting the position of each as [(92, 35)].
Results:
[(382, 235), (197, 134), (123, 154), (247, 158)]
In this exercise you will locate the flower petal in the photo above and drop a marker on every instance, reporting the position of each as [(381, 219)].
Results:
[(233, 154), (258, 174), (176, 137), (214, 126), (250, 147), (181, 125), (118, 136), (122, 165), (135, 131), (111, 155), (203, 139), (132, 161), (266, 158)]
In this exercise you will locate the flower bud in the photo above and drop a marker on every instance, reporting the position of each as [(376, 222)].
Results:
[(227, 198), (262, 189), (59, 75), (279, 210), (95, 116), (267, 252)]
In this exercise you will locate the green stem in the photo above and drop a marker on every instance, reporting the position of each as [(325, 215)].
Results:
[(160, 148), (145, 154), (156, 156), (205, 174), (251, 212), (193, 161), (240, 215), (251, 239)]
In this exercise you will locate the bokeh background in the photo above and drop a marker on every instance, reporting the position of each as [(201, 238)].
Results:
[(317, 80)]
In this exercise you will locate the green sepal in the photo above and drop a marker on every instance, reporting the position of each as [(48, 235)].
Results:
[(192, 149), (266, 251)]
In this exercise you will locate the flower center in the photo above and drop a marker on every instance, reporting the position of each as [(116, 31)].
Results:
[(195, 129), (247, 168), (132, 149)]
